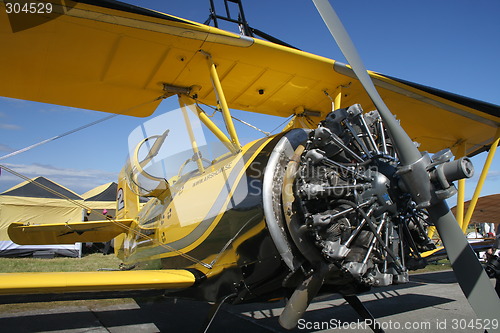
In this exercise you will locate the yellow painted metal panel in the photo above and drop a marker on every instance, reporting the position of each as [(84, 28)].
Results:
[(263, 90), (64, 282), (83, 59), (431, 252), (190, 209), (92, 57)]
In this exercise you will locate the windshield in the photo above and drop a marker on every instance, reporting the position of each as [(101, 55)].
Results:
[(169, 148)]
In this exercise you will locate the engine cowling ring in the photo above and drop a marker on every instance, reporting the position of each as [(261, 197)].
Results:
[(272, 187)]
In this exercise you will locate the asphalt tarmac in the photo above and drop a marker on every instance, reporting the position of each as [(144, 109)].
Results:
[(431, 302)]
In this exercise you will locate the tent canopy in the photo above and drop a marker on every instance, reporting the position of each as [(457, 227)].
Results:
[(41, 187), (487, 210), (106, 192), (36, 202), (101, 198)]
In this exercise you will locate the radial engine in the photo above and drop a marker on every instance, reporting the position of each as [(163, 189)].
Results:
[(339, 201)]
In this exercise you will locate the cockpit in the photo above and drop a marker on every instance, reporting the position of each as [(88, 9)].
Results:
[(171, 148)]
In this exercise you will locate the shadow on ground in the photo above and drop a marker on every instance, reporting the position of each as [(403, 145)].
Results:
[(188, 316)]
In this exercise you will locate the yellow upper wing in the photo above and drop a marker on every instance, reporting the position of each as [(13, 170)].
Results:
[(116, 59)]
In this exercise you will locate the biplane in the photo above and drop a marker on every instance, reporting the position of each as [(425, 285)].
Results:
[(340, 201)]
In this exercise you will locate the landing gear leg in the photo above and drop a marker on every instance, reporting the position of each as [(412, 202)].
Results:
[(213, 312), (357, 305)]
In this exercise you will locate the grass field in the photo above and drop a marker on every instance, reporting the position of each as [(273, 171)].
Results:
[(440, 265), (96, 261), (92, 262), (88, 263)]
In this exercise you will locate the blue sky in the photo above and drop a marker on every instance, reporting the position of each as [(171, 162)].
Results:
[(453, 45)]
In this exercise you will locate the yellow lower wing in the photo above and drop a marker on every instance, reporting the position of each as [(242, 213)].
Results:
[(67, 233), (65, 282), (75, 282)]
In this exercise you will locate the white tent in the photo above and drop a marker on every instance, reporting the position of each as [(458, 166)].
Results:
[(34, 204)]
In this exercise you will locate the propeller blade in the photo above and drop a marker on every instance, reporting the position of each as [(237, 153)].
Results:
[(406, 154), (469, 272), (301, 297)]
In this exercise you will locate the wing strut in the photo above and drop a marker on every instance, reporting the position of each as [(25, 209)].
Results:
[(221, 100), (481, 181)]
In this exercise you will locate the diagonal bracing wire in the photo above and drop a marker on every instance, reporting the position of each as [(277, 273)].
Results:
[(79, 204), (118, 223), (76, 130)]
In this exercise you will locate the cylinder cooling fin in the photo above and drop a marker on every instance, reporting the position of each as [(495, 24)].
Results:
[(335, 204)]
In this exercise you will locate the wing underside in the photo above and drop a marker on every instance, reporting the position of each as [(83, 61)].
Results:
[(116, 59)]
